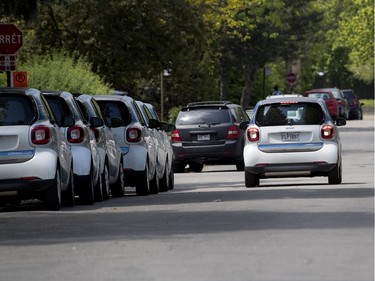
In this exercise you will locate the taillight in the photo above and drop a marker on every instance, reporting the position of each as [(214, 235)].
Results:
[(175, 137), (40, 135), (253, 134), (327, 132), (96, 133), (76, 134), (133, 134), (232, 132)]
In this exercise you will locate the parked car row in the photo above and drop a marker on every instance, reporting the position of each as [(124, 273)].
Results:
[(61, 147), (340, 103)]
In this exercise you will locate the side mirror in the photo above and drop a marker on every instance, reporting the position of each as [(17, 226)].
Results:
[(340, 121), (243, 125), (96, 122), (116, 122), (67, 121), (154, 124)]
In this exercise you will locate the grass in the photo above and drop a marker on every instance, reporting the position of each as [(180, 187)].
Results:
[(368, 103)]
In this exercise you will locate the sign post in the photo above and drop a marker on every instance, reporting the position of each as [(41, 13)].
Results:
[(291, 77), (11, 40)]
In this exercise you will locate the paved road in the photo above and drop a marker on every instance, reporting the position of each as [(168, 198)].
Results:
[(209, 228)]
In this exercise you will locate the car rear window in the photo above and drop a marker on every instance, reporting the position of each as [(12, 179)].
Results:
[(323, 96), (113, 109), (16, 110), (195, 116), (289, 114)]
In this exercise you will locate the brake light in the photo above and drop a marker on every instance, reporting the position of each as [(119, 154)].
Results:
[(175, 137), (327, 132), (96, 133), (253, 134), (232, 132), (40, 135), (76, 134), (133, 134)]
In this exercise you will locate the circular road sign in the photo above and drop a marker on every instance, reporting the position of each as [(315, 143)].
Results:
[(10, 39), (291, 77)]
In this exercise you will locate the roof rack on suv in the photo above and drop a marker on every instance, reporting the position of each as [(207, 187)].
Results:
[(209, 103)]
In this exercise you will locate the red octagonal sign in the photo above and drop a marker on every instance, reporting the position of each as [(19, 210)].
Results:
[(291, 77), (10, 39)]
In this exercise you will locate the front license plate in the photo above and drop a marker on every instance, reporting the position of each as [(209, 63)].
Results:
[(203, 137), (290, 136)]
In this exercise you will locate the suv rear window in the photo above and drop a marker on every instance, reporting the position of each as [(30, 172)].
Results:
[(16, 110), (204, 115), (289, 114)]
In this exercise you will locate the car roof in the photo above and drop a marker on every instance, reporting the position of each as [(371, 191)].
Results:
[(286, 99)]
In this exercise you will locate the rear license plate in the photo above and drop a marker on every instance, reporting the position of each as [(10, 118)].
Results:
[(203, 137), (290, 136)]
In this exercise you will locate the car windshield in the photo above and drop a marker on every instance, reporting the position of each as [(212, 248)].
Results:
[(16, 110), (204, 115), (289, 114)]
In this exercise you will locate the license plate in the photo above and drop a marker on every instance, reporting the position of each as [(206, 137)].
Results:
[(203, 137), (290, 136)]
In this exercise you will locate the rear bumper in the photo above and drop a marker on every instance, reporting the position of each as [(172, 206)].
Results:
[(20, 185)]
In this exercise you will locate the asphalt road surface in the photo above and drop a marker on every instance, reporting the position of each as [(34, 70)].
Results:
[(210, 227)]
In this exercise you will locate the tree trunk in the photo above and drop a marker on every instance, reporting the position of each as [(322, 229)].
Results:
[(249, 72), (223, 84)]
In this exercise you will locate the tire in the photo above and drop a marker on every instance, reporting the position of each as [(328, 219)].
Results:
[(164, 181), (335, 176), (240, 165), (142, 186), (179, 167), (52, 195), (98, 190), (154, 184), (69, 193), (105, 183), (196, 167), (251, 180), (86, 194), (118, 188)]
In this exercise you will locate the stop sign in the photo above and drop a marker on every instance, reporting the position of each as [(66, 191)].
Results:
[(10, 39), (291, 77)]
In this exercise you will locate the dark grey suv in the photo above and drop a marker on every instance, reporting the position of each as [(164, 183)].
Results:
[(208, 133)]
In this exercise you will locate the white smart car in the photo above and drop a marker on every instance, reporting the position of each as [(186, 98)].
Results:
[(292, 137)]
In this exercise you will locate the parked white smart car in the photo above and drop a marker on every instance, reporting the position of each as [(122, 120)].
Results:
[(136, 142), (292, 137), (35, 159)]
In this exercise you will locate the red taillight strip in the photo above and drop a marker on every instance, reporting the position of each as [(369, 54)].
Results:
[(76, 134), (40, 135), (232, 132), (175, 137)]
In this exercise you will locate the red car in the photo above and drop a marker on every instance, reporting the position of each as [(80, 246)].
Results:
[(329, 99)]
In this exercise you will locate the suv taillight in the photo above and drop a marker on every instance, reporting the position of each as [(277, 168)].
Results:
[(253, 134), (175, 137), (232, 132), (76, 134), (133, 135), (40, 135), (327, 132)]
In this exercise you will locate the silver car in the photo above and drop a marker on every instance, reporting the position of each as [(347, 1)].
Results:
[(136, 142), (111, 162), (81, 139), (35, 159), (292, 137)]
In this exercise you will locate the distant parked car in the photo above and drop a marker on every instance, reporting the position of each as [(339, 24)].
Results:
[(81, 139), (136, 142), (111, 162), (292, 137), (164, 148), (208, 133), (355, 105), (35, 159), (328, 98), (342, 102)]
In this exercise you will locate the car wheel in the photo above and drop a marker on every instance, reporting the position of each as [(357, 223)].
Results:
[(154, 184), (118, 188), (68, 194), (196, 167), (335, 176), (98, 190), (360, 115), (86, 194), (164, 181), (251, 180), (52, 195), (179, 167), (142, 186), (240, 165), (105, 183)]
